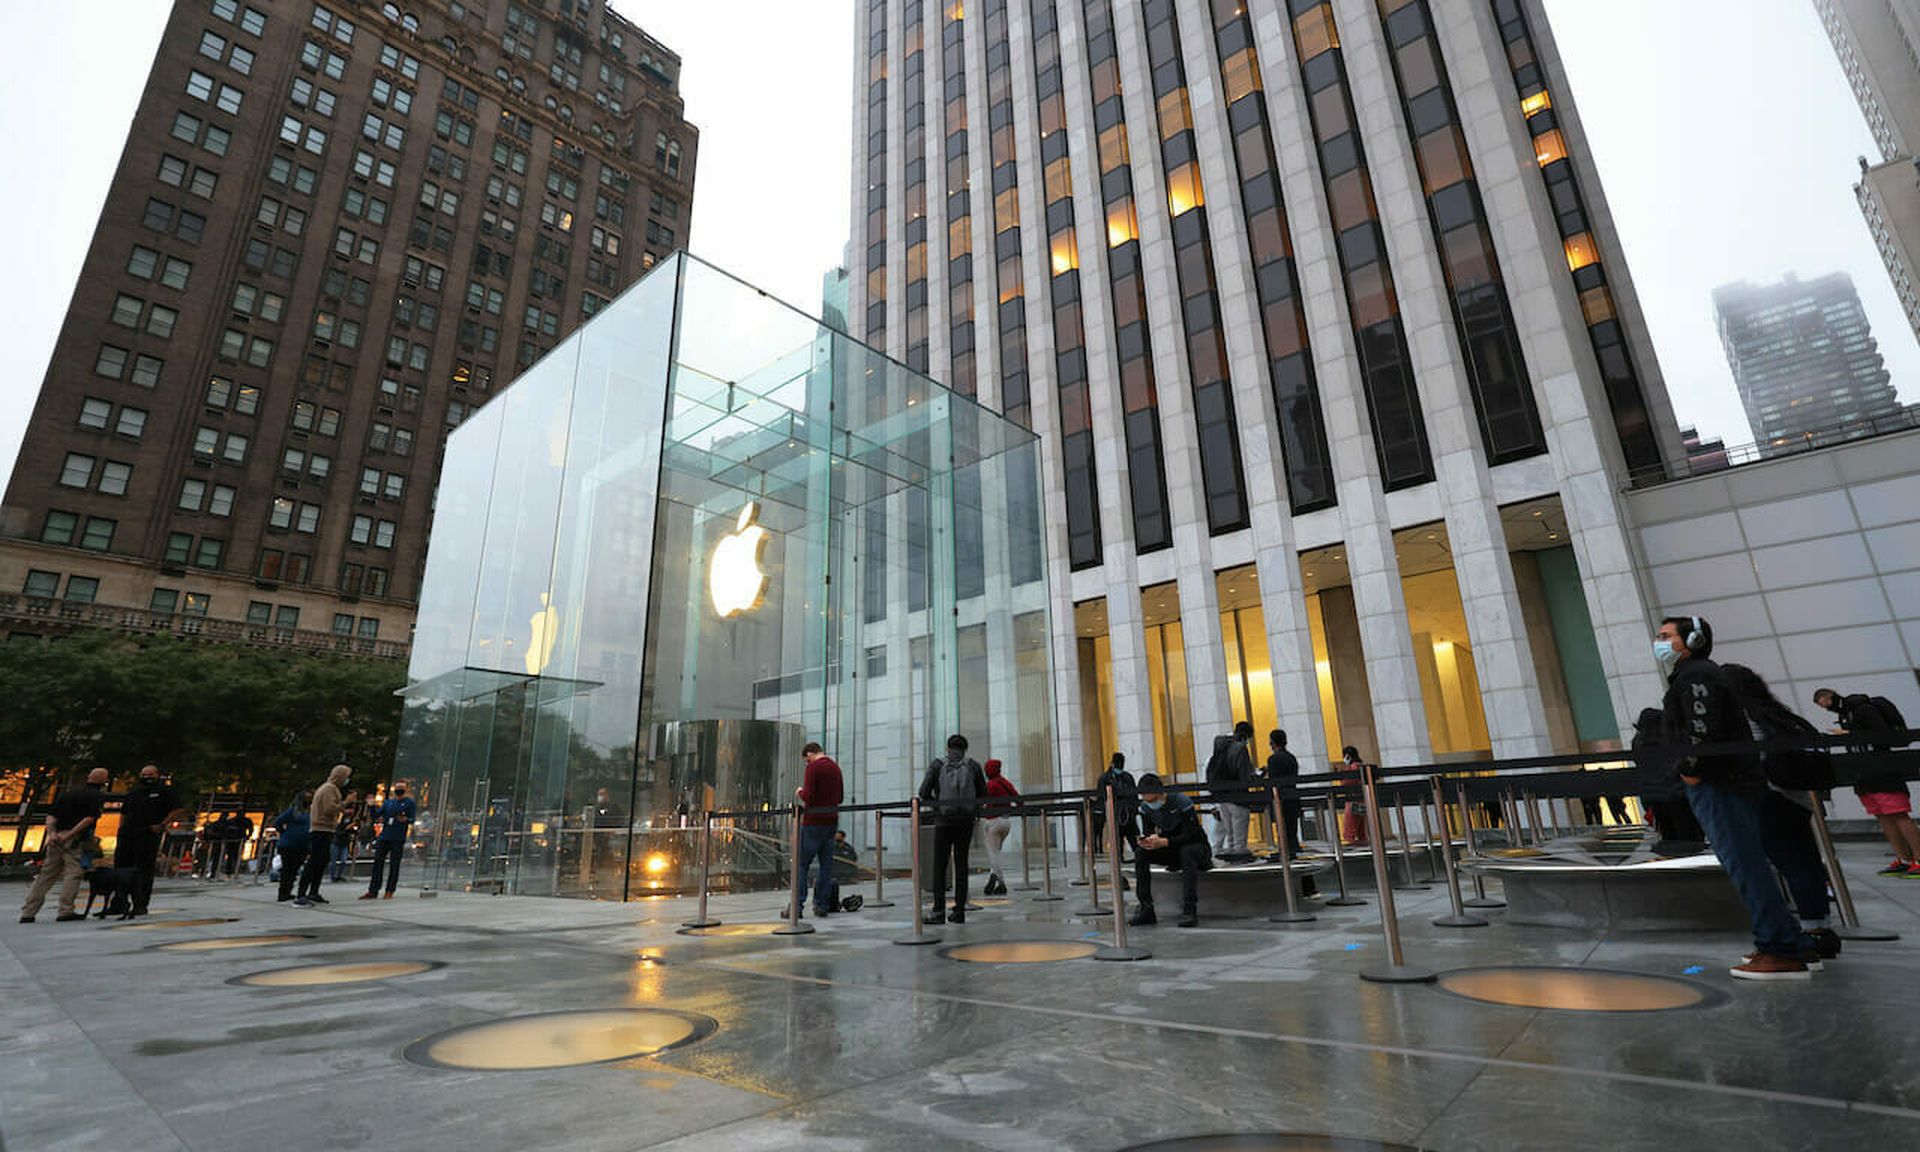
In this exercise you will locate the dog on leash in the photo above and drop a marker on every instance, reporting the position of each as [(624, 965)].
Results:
[(114, 887)]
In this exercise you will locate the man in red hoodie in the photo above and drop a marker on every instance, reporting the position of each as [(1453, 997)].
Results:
[(999, 818), (821, 792)]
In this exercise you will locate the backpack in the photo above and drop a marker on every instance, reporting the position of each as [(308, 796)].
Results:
[(1794, 768), (957, 778), (1890, 714), (1217, 763)]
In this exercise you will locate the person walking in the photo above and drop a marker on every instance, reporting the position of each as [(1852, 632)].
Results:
[(323, 820), (295, 839), (954, 786), (69, 823), (999, 825), (822, 790), (1126, 799), (1353, 803), (395, 818), (1170, 835), (1724, 789), (1882, 788), (144, 816)]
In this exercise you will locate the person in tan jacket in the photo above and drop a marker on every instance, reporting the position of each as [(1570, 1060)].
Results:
[(324, 819)]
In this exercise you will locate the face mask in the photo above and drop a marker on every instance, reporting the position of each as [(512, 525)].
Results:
[(1152, 805), (1664, 652)]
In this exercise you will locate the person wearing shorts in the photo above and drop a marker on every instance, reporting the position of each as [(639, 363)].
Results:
[(1882, 791)]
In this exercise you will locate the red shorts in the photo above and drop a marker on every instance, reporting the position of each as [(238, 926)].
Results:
[(1886, 803)]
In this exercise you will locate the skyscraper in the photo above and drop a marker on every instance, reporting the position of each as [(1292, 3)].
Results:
[(1875, 41), (1803, 357), (334, 229), (1327, 333)]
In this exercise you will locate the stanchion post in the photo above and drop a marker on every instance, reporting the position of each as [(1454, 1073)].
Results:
[(1406, 845), (1850, 926), (1093, 907), (1085, 816), (1119, 949), (1047, 893), (919, 935), (1460, 918), (1480, 899), (1427, 823), (795, 925), (879, 862), (1026, 856), (1397, 970), (1339, 860), (1539, 827), (1292, 914), (700, 919)]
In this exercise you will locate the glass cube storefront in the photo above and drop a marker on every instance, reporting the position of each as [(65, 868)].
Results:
[(701, 532)]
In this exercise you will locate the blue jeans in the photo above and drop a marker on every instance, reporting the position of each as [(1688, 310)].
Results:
[(1732, 823), (341, 857), (816, 846)]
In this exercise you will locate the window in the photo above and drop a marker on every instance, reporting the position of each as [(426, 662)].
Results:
[(369, 627), (142, 262), (42, 584), (59, 528), (392, 488), (158, 215), (259, 613), (160, 321), (114, 477), (111, 362), (200, 86), (229, 100), (326, 21), (362, 532), (174, 273), (286, 616), (77, 471), (209, 553), (126, 310), (146, 371), (220, 503), (95, 413), (382, 534), (193, 495), (309, 519), (98, 534), (173, 171), (164, 600), (206, 441), (282, 515), (203, 183), (293, 460), (236, 449), (179, 547), (133, 422), (343, 623), (369, 481), (82, 589)]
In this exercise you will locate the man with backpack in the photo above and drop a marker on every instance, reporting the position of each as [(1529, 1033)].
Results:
[(1230, 772), (1881, 786), (1126, 800), (954, 786)]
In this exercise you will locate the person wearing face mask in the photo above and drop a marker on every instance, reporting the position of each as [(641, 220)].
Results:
[(1882, 790), (1724, 790), (1170, 834), (149, 808), (323, 819)]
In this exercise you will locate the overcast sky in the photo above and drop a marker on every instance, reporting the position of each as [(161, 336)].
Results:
[(1724, 130)]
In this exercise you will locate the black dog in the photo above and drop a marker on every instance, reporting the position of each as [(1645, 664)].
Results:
[(113, 886)]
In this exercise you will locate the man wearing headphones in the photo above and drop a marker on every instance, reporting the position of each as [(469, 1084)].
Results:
[(1724, 790)]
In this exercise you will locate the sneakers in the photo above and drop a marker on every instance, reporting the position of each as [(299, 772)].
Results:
[(1189, 918), (957, 916), (934, 917), (1142, 916), (369, 896), (386, 896), (302, 902), (1912, 872), (1826, 943), (287, 899), (316, 898), (68, 917), (1767, 967), (26, 919), (1814, 963), (1899, 867)]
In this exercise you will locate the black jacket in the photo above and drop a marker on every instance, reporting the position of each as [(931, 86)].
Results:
[(1126, 794), (1283, 769), (1700, 708), (953, 809), (1175, 819), (1860, 716), (1231, 770)]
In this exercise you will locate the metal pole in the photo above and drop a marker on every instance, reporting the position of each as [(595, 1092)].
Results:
[(1026, 856), (920, 935), (795, 926), (1511, 808), (1459, 919), (1085, 816), (1533, 818), (1480, 898), (1093, 907), (879, 862), (1397, 970), (1120, 949), (1339, 861), (1850, 927), (1046, 860), (1428, 822), (700, 919), (1406, 846), (1292, 915)]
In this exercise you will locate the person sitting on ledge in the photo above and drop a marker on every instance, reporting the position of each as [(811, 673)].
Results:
[(1170, 834)]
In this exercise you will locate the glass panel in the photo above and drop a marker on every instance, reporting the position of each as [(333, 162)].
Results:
[(1442, 650)]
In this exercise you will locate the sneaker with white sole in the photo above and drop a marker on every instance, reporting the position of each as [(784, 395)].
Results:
[(1767, 967), (1813, 963)]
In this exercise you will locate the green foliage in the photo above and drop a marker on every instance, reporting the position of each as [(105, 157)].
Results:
[(213, 716)]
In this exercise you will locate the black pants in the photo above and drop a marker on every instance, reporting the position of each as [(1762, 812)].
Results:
[(1674, 820), (1290, 810), (951, 843), (141, 854), (290, 861), (1188, 859), (386, 861), (1786, 833), (319, 851), (1128, 831)]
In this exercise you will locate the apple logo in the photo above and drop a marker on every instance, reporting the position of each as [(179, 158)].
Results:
[(734, 578)]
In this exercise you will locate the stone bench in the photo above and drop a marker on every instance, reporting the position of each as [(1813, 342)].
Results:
[(1684, 893)]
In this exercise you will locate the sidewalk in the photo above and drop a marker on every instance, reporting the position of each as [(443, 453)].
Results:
[(842, 1039)]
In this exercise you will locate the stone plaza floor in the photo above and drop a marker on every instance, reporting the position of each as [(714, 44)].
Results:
[(113, 1037)]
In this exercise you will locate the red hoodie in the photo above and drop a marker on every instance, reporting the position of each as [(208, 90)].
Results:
[(997, 785)]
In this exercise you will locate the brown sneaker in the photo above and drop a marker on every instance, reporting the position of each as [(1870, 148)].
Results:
[(387, 896), (369, 896), (1813, 963), (1766, 966)]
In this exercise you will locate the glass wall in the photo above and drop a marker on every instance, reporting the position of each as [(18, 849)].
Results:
[(1442, 651), (1099, 723), (1167, 681), (1243, 627), (702, 532)]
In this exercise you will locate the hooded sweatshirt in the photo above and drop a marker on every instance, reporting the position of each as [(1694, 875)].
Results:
[(998, 785), (324, 816), (952, 785)]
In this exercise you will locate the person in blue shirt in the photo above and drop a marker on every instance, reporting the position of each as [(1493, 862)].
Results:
[(395, 818), (295, 828)]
